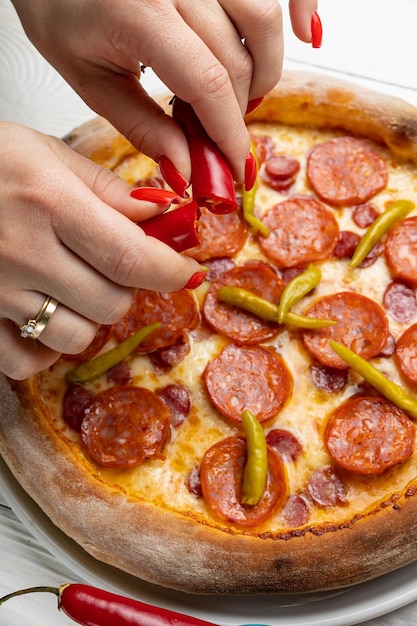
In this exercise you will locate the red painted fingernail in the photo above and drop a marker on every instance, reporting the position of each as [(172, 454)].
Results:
[(253, 104), (316, 30), (173, 177), (196, 280), (155, 195), (250, 171)]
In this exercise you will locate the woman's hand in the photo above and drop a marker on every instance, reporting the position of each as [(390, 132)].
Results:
[(215, 54), (67, 230)]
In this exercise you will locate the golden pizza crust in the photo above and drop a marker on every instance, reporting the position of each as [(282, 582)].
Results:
[(178, 550)]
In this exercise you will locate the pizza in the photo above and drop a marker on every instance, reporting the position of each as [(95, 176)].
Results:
[(260, 437)]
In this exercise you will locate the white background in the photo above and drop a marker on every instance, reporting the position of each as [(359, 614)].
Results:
[(369, 42)]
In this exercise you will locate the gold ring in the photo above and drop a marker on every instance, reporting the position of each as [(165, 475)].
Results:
[(33, 328)]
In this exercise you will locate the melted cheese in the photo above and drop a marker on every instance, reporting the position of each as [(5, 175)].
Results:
[(164, 481)]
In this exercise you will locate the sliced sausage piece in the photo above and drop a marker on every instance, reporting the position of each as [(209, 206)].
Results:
[(301, 231), (406, 354), (367, 435), (401, 250), (236, 323), (248, 377), (361, 325), (177, 311), (221, 475), (124, 425), (346, 171)]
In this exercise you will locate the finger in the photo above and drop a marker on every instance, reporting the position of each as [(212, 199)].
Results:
[(206, 85), (107, 185), (261, 25), (113, 245), (300, 14), (21, 358), (65, 331)]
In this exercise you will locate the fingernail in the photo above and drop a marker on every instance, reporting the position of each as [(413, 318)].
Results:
[(250, 171), (195, 280), (253, 104), (173, 177), (316, 30), (155, 195)]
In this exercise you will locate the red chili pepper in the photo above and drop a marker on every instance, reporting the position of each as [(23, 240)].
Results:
[(211, 178), (176, 228), (90, 606), (155, 195)]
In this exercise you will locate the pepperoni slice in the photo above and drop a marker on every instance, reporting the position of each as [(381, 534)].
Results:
[(166, 358), (301, 231), (328, 379), (124, 425), (120, 374), (365, 214), (221, 475), (248, 377), (177, 311), (346, 244), (400, 302), (296, 511), (367, 435), (237, 324), (345, 171), (326, 488), (178, 400), (361, 325), (285, 443), (264, 146), (280, 171), (220, 235), (102, 337), (401, 250), (406, 354), (76, 399)]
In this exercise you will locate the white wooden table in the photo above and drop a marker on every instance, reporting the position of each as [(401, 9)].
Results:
[(369, 42)]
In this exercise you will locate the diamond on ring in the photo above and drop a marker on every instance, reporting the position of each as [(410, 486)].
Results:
[(33, 327)]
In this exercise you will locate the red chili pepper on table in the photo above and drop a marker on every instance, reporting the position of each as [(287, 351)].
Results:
[(211, 178), (90, 606)]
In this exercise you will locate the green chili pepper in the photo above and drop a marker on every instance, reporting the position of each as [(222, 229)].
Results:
[(103, 362), (296, 289), (266, 310), (256, 468), (397, 211), (390, 390), (248, 203)]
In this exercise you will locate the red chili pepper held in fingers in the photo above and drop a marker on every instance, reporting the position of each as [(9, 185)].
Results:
[(211, 178), (176, 228), (90, 606)]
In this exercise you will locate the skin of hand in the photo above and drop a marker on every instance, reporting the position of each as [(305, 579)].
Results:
[(68, 229), (215, 54)]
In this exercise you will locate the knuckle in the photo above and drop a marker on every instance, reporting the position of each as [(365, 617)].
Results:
[(81, 337), (128, 265), (214, 79), (267, 16), (119, 307)]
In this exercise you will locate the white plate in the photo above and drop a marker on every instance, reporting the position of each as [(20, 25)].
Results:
[(345, 608)]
